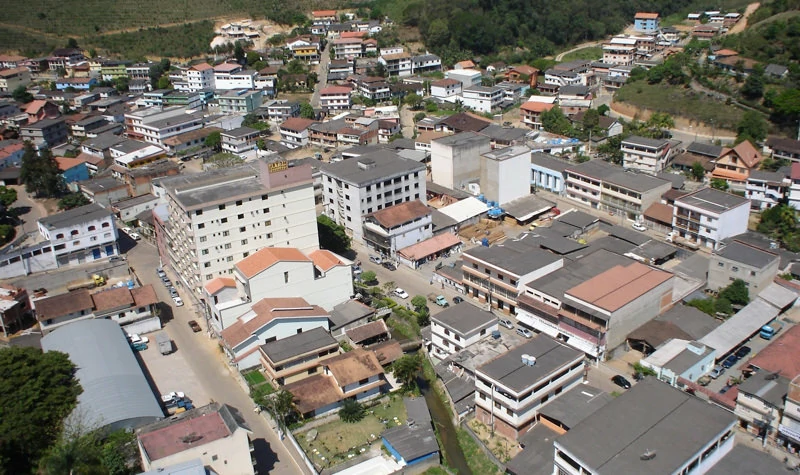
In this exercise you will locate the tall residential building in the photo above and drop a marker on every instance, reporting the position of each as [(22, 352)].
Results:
[(154, 125), (708, 216), (219, 217), (374, 181)]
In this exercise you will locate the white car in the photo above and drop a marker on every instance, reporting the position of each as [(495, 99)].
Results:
[(172, 396), (134, 236), (400, 293), (639, 226), (135, 338), (178, 301)]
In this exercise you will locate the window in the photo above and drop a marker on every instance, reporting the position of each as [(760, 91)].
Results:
[(242, 229), (204, 252), (285, 277), (266, 210), (198, 212), (244, 242), (92, 228), (60, 236), (201, 226), (363, 381), (223, 220), (245, 254), (207, 264), (229, 258), (735, 269), (203, 238), (720, 264), (239, 203), (226, 233), (209, 276), (221, 207), (105, 225), (228, 246), (312, 371), (241, 216), (74, 232)]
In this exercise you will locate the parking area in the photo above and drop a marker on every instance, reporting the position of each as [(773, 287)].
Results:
[(172, 373)]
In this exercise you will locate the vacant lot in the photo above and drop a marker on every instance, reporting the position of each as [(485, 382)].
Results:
[(183, 41), (680, 102), (591, 53)]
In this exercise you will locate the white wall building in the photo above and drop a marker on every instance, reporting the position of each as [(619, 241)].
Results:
[(446, 89), (81, 234), (456, 159), (336, 98), (199, 77), (467, 77), (239, 141), (708, 216), (458, 327), (481, 98), (645, 155), (154, 125), (505, 174), (397, 227)]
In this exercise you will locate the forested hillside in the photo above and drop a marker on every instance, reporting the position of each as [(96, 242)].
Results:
[(774, 36)]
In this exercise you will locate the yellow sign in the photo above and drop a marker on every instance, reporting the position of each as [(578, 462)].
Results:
[(278, 166)]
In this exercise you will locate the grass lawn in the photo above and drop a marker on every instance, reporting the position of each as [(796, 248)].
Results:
[(337, 439), (254, 377), (435, 471), (680, 102), (592, 52), (477, 460)]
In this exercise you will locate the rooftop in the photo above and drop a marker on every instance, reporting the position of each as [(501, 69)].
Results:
[(616, 175), (354, 366), (575, 273), (550, 355), (765, 386), (681, 321), (746, 460), (372, 168), (314, 392), (367, 331), (75, 216), (297, 345), (748, 255), (465, 318), (266, 310), (400, 214), (64, 304), (575, 405), (536, 457), (349, 312), (462, 139), (265, 258), (712, 200), (550, 162), (619, 286), (518, 258), (241, 132), (782, 355), (417, 440), (465, 122)]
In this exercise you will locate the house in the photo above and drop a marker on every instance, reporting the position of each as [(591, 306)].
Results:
[(794, 187), (155, 125), (522, 74), (239, 141), (81, 84), (41, 109), (704, 154), (766, 189), (512, 387), (129, 208), (531, 112), (297, 357), (335, 98), (368, 333), (466, 64), (11, 61), (45, 133), (356, 187), (681, 322), (396, 227), (789, 427), (239, 101), (82, 234), (348, 48), (707, 216), (456, 159), (681, 359), (425, 63), (14, 305), (116, 394), (481, 98), (645, 155), (215, 434), (734, 164), (414, 442), (548, 172), (619, 51), (645, 22), (11, 152), (760, 403), (782, 149), (397, 64), (305, 48), (739, 260), (72, 169), (11, 79), (458, 327), (652, 439), (294, 132), (467, 77), (446, 89), (574, 99)]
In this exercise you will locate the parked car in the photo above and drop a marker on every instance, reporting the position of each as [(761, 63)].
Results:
[(524, 332), (135, 236), (730, 361), (390, 266), (167, 282), (639, 226), (621, 382), (400, 293), (457, 300), (506, 323), (173, 293), (178, 301), (160, 272), (194, 326), (116, 258), (135, 338), (376, 259), (742, 352), (717, 372)]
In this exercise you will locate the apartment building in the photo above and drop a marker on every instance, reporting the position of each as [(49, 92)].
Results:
[(240, 102), (646, 22), (467, 77), (510, 389), (304, 48), (532, 110), (374, 88), (199, 77), (294, 132), (766, 189), (297, 357), (348, 48), (482, 98), (281, 110), (154, 125), (45, 133), (738, 260), (548, 172), (10, 79), (446, 89), (397, 227), (335, 98), (82, 234), (356, 187), (760, 403), (235, 79), (425, 63), (505, 174), (458, 327), (456, 159), (219, 217), (497, 274), (782, 149), (708, 216), (240, 140), (645, 155), (397, 64), (619, 51)]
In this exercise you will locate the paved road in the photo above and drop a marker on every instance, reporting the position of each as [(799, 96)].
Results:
[(207, 362), (322, 74)]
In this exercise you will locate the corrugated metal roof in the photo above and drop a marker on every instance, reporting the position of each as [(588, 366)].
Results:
[(465, 209), (740, 327)]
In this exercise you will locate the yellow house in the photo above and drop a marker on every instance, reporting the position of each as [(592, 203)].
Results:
[(734, 164)]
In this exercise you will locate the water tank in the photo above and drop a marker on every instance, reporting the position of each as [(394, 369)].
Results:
[(525, 360), (532, 360)]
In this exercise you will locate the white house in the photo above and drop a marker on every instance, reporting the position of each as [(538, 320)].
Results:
[(708, 216), (294, 132), (481, 98), (240, 140), (397, 227), (82, 234), (199, 77), (645, 155), (458, 327), (446, 89), (467, 77), (336, 98)]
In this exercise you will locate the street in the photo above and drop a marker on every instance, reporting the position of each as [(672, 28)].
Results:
[(207, 362), (322, 75)]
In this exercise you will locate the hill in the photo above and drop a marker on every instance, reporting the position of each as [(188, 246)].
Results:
[(774, 36)]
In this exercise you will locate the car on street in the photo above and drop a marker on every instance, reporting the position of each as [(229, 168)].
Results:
[(400, 293), (135, 236), (620, 381), (160, 272), (742, 352), (173, 293), (389, 265), (524, 332), (194, 326), (457, 300), (730, 361), (375, 259), (717, 372), (506, 323), (166, 281), (639, 226), (178, 301), (116, 259)]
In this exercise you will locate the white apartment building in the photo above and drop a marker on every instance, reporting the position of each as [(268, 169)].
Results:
[(766, 189), (619, 51), (794, 187), (82, 234), (458, 327), (446, 89), (294, 132), (245, 79), (708, 216), (424, 63), (510, 389), (481, 98), (505, 174), (397, 227), (356, 187), (336, 98), (199, 77), (397, 64), (239, 141), (219, 217), (154, 125), (645, 155), (348, 48), (467, 77), (321, 277), (456, 159)]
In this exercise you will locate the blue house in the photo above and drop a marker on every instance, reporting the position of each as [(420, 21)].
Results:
[(81, 84), (547, 172), (414, 442), (645, 22), (72, 169)]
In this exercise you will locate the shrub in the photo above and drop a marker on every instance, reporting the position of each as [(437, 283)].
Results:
[(351, 411)]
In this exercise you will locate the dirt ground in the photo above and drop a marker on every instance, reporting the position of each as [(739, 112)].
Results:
[(265, 28), (742, 24)]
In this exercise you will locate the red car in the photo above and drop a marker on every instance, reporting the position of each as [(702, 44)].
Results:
[(194, 326)]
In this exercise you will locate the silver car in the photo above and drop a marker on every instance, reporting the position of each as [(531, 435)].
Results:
[(506, 323)]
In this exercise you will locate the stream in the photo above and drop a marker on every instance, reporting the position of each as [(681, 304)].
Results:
[(454, 457)]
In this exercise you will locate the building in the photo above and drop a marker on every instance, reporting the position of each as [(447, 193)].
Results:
[(232, 76), (239, 141), (458, 327), (294, 132), (505, 174), (735, 164), (652, 437), (681, 359), (397, 64), (260, 204), (282, 110), (72, 169), (14, 305), (356, 187), (619, 51), (739, 260), (645, 155), (414, 442), (482, 98), (397, 227), (11, 79), (467, 77), (511, 388), (155, 125), (335, 98), (82, 234), (531, 112), (297, 357), (760, 403), (548, 172), (708, 216), (782, 149), (216, 434), (45, 133), (239, 101), (446, 89), (766, 189), (115, 394), (127, 209), (789, 427), (456, 159), (425, 63), (607, 187), (794, 187), (646, 22)]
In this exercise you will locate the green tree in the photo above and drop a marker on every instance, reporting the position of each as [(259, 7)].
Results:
[(603, 109), (610, 150), (753, 87), (280, 405), (736, 293), (719, 184), (7, 233), (238, 52), (419, 116), (406, 368), (332, 236), (779, 222), (554, 121), (419, 302), (414, 101), (658, 124), (591, 119), (380, 70), (163, 83), (723, 305), (21, 94), (7, 196), (369, 277), (786, 106), (39, 391), (306, 111), (423, 316), (351, 411), (72, 43), (252, 58), (73, 200), (214, 140), (40, 173), (752, 127), (388, 287), (698, 172)]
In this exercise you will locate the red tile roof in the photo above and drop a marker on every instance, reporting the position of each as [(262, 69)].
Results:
[(265, 258), (323, 13), (536, 106), (65, 163), (202, 67), (215, 285), (430, 246), (400, 214), (747, 153), (795, 171), (183, 435), (445, 82), (619, 286), (354, 366), (314, 392), (325, 260), (297, 124), (145, 295), (267, 310), (646, 16), (659, 212), (364, 332), (335, 90)]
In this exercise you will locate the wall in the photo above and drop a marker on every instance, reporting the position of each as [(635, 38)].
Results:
[(637, 313), (506, 180), (454, 166), (327, 292), (721, 273)]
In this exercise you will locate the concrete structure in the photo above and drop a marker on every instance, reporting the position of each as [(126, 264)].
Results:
[(335, 98), (760, 403), (782, 148), (794, 188), (82, 234), (294, 132), (128, 209), (215, 434), (689, 360), (511, 388), (376, 180), (481, 98), (155, 125), (115, 394), (646, 22), (505, 174), (46, 133), (239, 141), (456, 159), (735, 164), (738, 260), (415, 442), (708, 216), (645, 155), (297, 357), (467, 77), (789, 427), (397, 227), (458, 327), (260, 204), (14, 304), (766, 189), (11, 79), (548, 172), (240, 101), (446, 89), (199, 77)]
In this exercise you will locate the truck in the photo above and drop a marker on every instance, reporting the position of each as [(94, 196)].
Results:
[(164, 343), (768, 331), (439, 300), (88, 283), (675, 238)]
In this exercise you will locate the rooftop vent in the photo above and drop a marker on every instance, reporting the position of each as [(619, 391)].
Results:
[(528, 360), (648, 455), (366, 164)]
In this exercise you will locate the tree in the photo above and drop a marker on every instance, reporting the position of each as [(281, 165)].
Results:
[(351, 411), (591, 119), (419, 302), (736, 293), (73, 200), (39, 391), (752, 127), (21, 94), (419, 116), (380, 70), (719, 184), (603, 109), (779, 222), (223, 160), (554, 121), (252, 58), (238, 52), (7, 196), (279, 405), (369, 277), (388, 287), (414, 101), (332, 236), (214, 140), (163, 83), (423, 316), (406, 368), (704, 305), (610, 151), (698, 172), (72, 43), (658, 124), (40, 173), (753, 87), (306, 111)]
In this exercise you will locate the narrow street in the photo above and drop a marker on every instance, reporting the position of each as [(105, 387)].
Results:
[(207, 361), (322, 74)]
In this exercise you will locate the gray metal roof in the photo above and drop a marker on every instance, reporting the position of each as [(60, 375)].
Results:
[(545, 160), (115, 391), (417, 440), (712, 200), (744, 324), (766, 176), (441, 220), (616, 175), (75, 216), (676, 180), (747, 255), (417, 410), (651, 416), (527, 207), (349, 312), (372, 167), (707, 149), (128, 146), (579, 219), (511, 372), (464, 318), (744, 460), (626, 234), (516, 257), (692, 321), (299, 344), (766, 386), (573, 90), (537, 456), (240, 132), (498, 132), (558, 282), (553, 241), (575, 405), (645, 142), (135, 201), (434, 188), (686, 359)]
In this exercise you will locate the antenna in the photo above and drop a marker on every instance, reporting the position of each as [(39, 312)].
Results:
[(648, 455), (772, 376)]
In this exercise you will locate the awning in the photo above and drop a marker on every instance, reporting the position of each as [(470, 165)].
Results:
[(431, 246)]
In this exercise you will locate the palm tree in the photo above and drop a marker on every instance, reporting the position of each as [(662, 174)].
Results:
[(406, 368), (280, 406)]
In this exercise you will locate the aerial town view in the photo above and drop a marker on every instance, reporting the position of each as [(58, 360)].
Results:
[(400, 237)]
